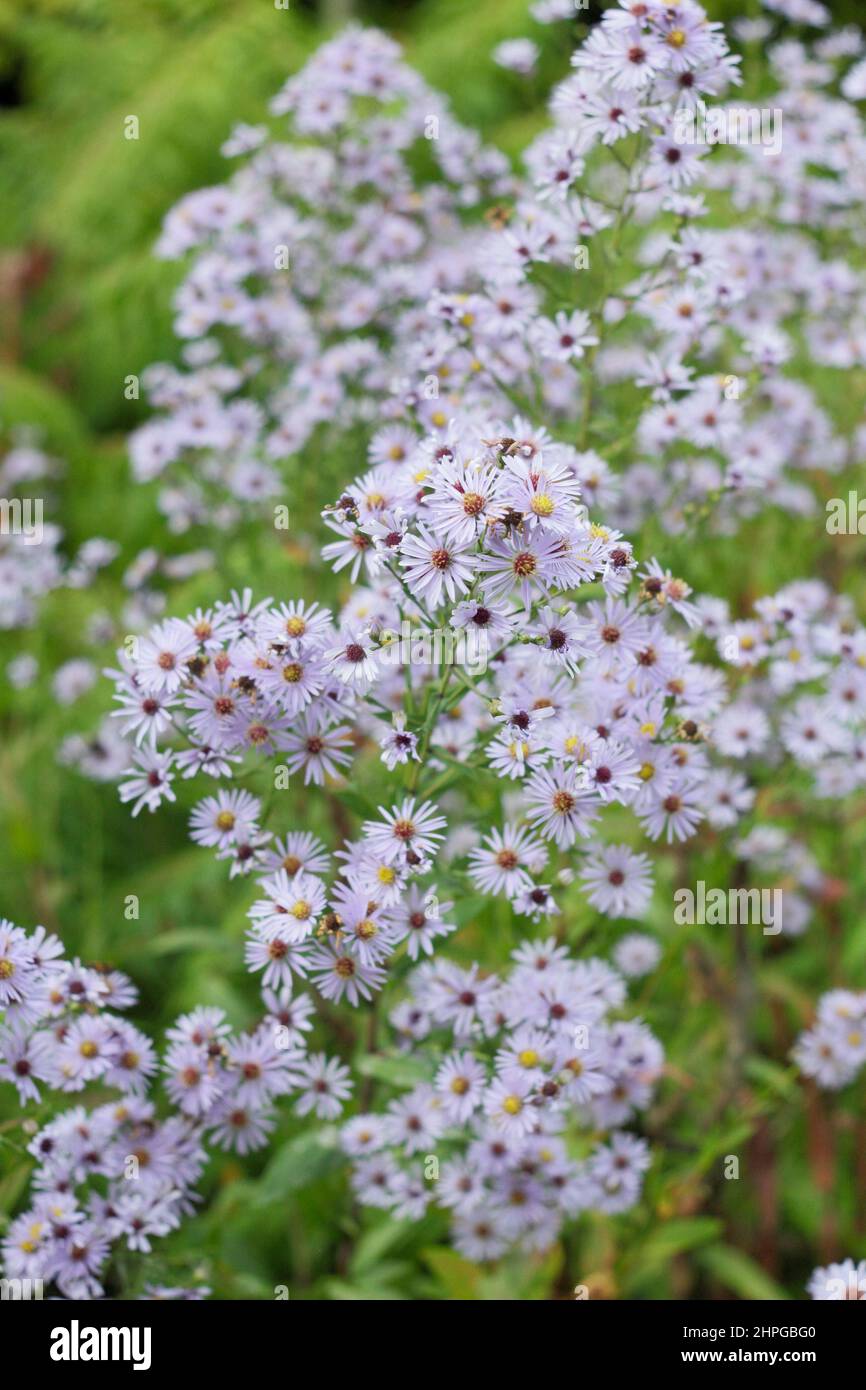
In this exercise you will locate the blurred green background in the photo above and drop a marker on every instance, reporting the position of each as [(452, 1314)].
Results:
[(83, 303)]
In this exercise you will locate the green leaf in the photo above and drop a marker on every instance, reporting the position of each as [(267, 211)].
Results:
[(395, 1070), (668, 1240), (373, 1245), (298, 1163), (460, 1278), (780, 1081), (342, 1292), (740, 1273)]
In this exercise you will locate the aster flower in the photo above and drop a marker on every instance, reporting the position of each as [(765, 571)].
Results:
[(150, 781), (559, 805), (325, 1085), (619, 882), (435, 567), (405, 830)]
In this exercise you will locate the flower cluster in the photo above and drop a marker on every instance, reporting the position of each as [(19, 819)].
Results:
[(516, 1065), (32, 563), (833, 1051), (844, 1281), (115, 1173), (310, 266), (802, 659)]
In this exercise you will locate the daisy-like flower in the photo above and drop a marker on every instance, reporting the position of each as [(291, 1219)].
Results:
[(364, 926), (246, 853), (239, 618), (458, 997), (260, 1069), (677, 815), (742, 730), (612, 771), (290, 908), (399, 744), (611, 115), (299, 851), (325, 1086), (460, 1083), (406, 831), (535, 901), (544, 493), (320, 751), (661, 588), (296, 624), (88, 1048), (478, 616), (242, 1128), (193, 1080), (146, 714), (415, 1121), (24, 1055), (523, 564), (225, 818), (464, 499), (513, 757), (517, 55), (337, 972), (615, 633), (291, 1017), (277, 956), (479, 1235), (419, 920), (293, 681), (363, 1134), (150, 781), (163, 655), (562, 636), (436, 567), (17, 972), (725, 796), (506, 860), (565, 337), (354, 661), (843, 1281), (559, 804), (637, 954), (507, 1105), (618, 881)]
